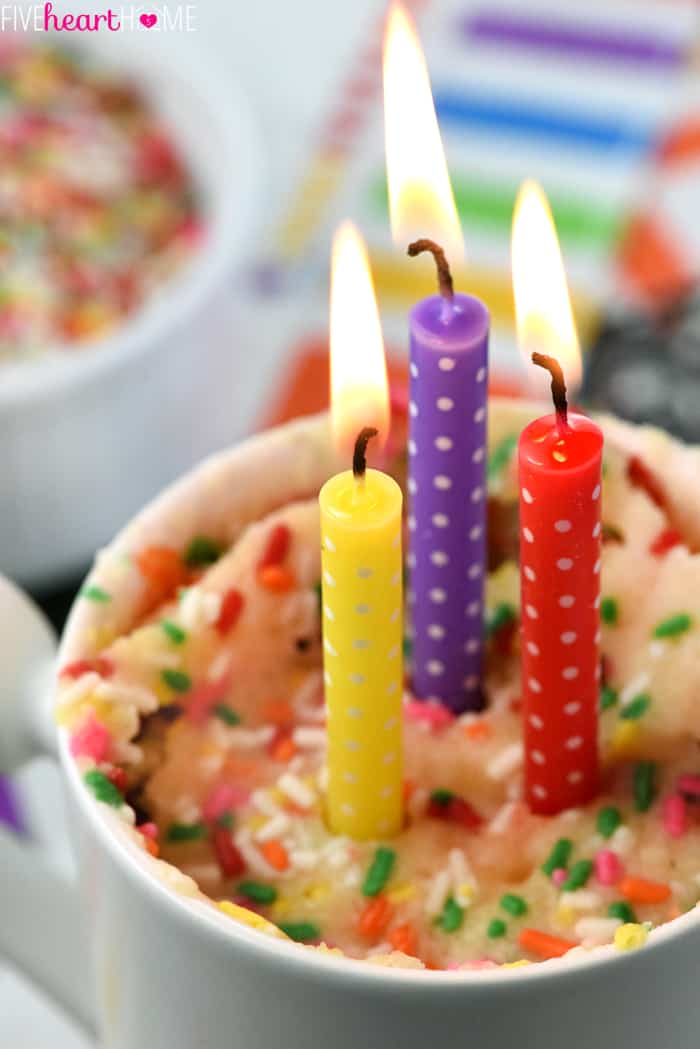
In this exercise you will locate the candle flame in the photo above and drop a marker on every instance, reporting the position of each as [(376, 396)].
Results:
[(359, 384), (421, 203), (543, 314)]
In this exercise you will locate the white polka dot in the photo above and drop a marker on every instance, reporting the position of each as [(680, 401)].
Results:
[(596, 567), (473, 609), (396, 579), (442, 482), (396, 540), (477, 495), (565, 564), (393, 652), (352, 744), (329, 544), (436, 631), (536, 721), (596, 530), (391, 688), (329, 647), (574, 777), (569, 673), (531, 611), (443, 444), (472, 646), (350, 777), (481, 375), (572, 708), (527, 496), (435, 667), (478, 455), (440, 520), (528, 536), (394, 615), (530, 573), (390, 757), (474, 571), (562, 526), (596, 603), (365, 573), (360, 642), (534, 684), (595, 493), (357, 679), (347, 808), (597, 637), (390, 723), (329, 613), (446, 364), (413, 370), (354, 712), (411, 597), (539, 791), (567, 601), (471, 682), (538, 757), (411, 560), (328, 578), (412, 448), (479, 415), (411, 524), (533, 648), (412, 409), (328, 680), (362, 610), (438, 596), (412, 486), (574, 742), (445, 404), (439, 557), (475, 532), (387, 791), (568, 637)]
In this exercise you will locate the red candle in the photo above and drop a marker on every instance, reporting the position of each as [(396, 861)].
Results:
[(559, 460)]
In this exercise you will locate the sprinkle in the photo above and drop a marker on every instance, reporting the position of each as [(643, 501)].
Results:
[(435, 897), (580, 900), (622, 911), (644, 785), (515, 905), (277, 547), (496, 928), (96, 594), (665, 541), (636, 708), (559, 876), (674, 626), (92, 739), (501, 456), (403, 938), (379, 871), (100, 665), (375, 917), (609, 611), (229, 613), (276, 854), (452, 916), (307, 737), (246, 739), (639, 890), (225, 714), (297, 791), (625, 738), (690, 786), (630, 936), (544, 945), (277, 824), (622, 840), (179, 832), (257, 891), (502, 616), (176, 634), (674, 816), (509, 760), (202, 551), (435, 715), (608, 697), (445, 805), (578, 876), (177, 680), (301, 932), (596, 931), (607, 821), (247, 917), (608, 867), (228, 856), (103, 788), (162, 569), (559, 856), (277, 579)]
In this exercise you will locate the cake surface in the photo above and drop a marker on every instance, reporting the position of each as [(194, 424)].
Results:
[(194, 706)]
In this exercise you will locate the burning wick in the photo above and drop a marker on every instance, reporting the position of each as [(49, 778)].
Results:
[(558, 387), (445, 285), (359, 459)]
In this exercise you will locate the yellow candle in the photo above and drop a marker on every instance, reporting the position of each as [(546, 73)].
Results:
[(363, 658)]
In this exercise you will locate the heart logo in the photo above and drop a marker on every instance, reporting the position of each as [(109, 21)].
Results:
[(148, 21)]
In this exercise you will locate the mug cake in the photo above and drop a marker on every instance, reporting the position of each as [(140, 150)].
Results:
[(194, 704)]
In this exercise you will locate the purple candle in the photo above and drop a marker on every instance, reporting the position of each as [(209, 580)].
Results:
[(447, 490)]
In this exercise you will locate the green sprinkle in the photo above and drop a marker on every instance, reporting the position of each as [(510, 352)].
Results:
[(674, 626), (225, 714), (609, 819), (407, 648), (502, 616), (95, 593), (379, 871), (103, 788), (225, 820), (176, 634), (178, 832), (636, 707), (622, 910), (578, 876), (442, 796), (202, 551), (500, 457), (644, 785), (302, 932), (177, 680), (609, 611), (256, 891), (515, 905), (496, 928), (558, 857), (608, 697), (452, 916)]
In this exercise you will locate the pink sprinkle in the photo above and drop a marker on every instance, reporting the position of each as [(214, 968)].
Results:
[(149, 830), (559, 875), (689, 784), (674, 816), (221, 798), (608, 867), (91, 740), (434, 714)]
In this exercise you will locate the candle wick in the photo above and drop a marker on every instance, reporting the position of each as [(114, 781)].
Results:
[(359, 459), (445, 285), (554, 368)]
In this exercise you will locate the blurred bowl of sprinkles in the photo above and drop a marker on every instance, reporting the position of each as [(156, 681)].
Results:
[(129, 181)]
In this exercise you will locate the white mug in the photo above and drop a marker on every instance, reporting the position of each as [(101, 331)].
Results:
[(145, 968)]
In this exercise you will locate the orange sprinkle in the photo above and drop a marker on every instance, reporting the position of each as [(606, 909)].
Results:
[(275, 854), (277, 579), (284, 749), (278, 712), (638, 890), (151, 846), (163, 570), (475, 730), (403, 938), (544, 945), (408, 789), (375, 917)]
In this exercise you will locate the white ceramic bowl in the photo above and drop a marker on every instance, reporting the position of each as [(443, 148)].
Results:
[(87, 437)]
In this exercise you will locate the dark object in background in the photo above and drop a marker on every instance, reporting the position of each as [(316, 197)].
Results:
[(647, 369), (56, 603)]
